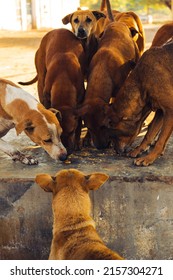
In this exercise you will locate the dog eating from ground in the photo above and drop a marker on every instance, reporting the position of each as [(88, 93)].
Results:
[(74, 233), (20, 110), (117, 54), (60, 64), (149, 87)]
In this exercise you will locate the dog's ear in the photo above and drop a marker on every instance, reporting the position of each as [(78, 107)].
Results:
[(24, 125), (95, 180), (45, 181), (98, 14), (133, 31), (57, 113), (67, 19)]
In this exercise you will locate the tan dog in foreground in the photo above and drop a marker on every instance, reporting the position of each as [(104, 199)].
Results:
[(74, 233), (149, 87), (163, 35), (21, 110), (60, 64)]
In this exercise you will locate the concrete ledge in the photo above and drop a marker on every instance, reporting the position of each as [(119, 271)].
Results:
[(133, 211)]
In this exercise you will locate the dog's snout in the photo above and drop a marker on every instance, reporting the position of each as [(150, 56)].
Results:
[(81, 32), (63, 157)]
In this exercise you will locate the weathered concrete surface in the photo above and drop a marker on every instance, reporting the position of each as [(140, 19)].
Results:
[(133, 211)]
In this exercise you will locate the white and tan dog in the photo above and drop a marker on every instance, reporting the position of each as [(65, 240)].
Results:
[(21, 110)]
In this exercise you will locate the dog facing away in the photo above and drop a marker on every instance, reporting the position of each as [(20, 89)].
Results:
[(74, 233), (21, 110), (129, 18), (60, 64), (149, 87), (163, 35), (117, 54)]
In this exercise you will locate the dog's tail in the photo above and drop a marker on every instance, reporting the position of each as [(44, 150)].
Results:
[(105, 5), (34, 80)]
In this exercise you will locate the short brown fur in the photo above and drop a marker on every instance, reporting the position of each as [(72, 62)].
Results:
[(60, 64), (148, 88), (163, 35), (74, 234)]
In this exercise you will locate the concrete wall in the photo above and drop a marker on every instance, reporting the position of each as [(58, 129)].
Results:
[(134, 216)]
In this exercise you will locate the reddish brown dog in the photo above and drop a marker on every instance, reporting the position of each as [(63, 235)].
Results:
[(74, 233), (163, 35), (60, 65), (130, 18), (117, 53), (149, 87)]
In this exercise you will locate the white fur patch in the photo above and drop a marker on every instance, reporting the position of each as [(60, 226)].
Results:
[(13, 93)]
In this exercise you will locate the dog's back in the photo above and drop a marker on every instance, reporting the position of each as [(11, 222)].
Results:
[(74, 234), (163, 35)]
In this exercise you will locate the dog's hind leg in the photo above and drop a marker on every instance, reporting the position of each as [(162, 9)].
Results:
[(159, 147), (153, 130), (15, 154)]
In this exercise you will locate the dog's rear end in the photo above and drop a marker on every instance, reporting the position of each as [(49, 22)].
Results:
[(74, 234), (60, 64), (116, 56)]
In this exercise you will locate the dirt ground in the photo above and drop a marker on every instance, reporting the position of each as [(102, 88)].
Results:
[(17, 51)]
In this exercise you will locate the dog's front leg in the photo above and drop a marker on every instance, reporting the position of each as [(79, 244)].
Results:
[(15, 154)]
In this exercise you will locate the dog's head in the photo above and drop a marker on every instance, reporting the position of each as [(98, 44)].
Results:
[(70, 189), (124, 127), (94, 115), (83, 22), (69, 123), (43, 128)]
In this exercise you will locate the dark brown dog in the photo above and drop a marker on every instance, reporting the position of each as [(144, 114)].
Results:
[(117, 53), (130, 18), (60, 64), (163, 35), (74, 234), (149, 87)]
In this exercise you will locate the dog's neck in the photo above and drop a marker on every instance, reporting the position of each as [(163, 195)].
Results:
[(77, 226), (129, 102), (90, 46)]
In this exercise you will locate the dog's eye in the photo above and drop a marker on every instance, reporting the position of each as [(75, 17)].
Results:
[(76, 20), (88, 20), (48, 140)]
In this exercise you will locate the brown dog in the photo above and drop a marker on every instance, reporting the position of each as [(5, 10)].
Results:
[(74, 234), (148, 88), (163, 35), (130, 18), (116, 56), (84, 23), (60, 64)]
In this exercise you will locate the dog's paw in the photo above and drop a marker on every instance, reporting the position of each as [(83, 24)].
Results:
[(144, 161), (25, 159)]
